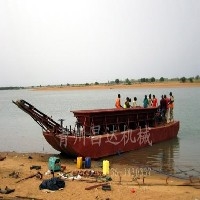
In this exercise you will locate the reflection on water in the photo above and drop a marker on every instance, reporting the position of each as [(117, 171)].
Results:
[(153, 156), (159, 157)]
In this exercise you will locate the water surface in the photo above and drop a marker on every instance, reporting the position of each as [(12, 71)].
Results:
[(19, 132)]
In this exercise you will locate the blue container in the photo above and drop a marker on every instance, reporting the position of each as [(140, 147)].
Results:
[(87, 162), (54, 164)]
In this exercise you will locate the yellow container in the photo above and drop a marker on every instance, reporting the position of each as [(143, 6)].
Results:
[(79, 162), (105, 167)]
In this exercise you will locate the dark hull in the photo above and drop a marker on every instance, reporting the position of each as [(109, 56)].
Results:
[(110, 144)]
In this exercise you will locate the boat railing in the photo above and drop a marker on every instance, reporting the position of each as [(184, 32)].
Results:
[(112, 122)]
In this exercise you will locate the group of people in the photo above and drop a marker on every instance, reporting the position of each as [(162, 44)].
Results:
[(165, 107), (150, 101), (127, 103)]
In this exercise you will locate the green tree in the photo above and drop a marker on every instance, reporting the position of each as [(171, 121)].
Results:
[(191, 79), (183, 79), (197, 77), (128, 82), (162, 79), (153, 79), (117, 81)]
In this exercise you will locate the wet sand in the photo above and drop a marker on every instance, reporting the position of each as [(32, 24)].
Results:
[(129, 185)]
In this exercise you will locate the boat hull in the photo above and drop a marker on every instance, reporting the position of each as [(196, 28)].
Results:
[(113, 143)]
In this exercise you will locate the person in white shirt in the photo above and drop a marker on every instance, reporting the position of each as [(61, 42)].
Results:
[(135, 102)]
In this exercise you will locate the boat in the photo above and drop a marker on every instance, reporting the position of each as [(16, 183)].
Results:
[(98, 133)]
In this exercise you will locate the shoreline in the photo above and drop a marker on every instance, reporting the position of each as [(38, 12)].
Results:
[(123, 185), (170, 84)]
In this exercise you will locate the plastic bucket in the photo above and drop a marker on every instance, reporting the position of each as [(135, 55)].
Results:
[(79, 162), (87, 162), (105, 167)]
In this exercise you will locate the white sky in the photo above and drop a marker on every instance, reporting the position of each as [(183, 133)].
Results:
[(46, 42)]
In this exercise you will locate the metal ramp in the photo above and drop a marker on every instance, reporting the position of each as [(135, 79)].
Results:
[(46, 122)]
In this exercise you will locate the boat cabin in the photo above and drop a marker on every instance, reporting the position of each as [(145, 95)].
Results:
[(101, 121)]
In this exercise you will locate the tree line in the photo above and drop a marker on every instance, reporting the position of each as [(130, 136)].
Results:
[(11, 88), (118, 81), (162, 79)]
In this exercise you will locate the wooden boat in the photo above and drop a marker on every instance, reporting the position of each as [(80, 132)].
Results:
[(103, 132)]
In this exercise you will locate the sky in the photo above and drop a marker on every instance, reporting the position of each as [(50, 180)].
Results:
[(48, 42)]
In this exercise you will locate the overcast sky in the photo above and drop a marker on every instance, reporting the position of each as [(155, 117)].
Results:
[(46, 42)]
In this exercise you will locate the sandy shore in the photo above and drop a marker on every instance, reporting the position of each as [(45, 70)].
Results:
[(170, 84), (123, 185)]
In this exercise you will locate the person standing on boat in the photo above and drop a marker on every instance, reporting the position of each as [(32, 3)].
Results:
[(127, 103), (134, 102), (145, 102), (154, 101), (118, 102), (149, 101), (167, 111), (171, 107), (163, 108)]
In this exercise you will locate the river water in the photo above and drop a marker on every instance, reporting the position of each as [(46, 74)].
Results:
[(179, 157)]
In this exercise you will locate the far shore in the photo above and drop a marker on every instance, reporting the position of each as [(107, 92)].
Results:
[(171, 84)]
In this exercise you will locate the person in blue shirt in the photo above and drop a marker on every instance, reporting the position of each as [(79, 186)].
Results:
[(145, 102)]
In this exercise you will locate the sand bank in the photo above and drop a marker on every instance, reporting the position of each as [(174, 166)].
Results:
[(123, 185), (170, 84)]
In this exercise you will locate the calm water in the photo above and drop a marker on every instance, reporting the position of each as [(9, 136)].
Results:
[(180, 156)]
